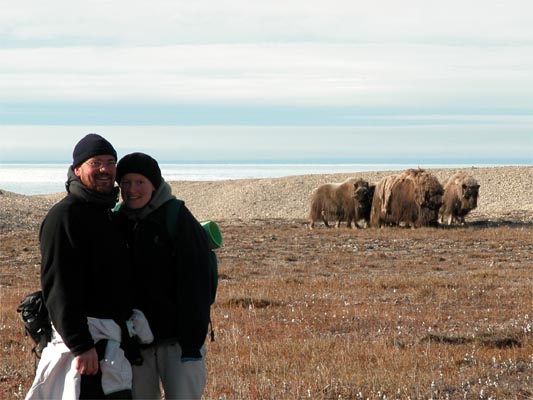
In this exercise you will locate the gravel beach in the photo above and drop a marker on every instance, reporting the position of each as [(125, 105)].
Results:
[(506, 194)]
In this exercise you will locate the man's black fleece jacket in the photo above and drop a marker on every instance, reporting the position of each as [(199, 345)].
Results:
[(84, 266)]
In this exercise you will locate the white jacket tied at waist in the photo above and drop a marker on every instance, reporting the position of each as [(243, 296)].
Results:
[(56, 376)]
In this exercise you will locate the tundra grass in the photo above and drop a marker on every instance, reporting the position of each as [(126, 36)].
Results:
[(343, 314)]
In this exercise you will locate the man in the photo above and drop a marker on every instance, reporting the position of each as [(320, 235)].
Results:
[(84, 264)]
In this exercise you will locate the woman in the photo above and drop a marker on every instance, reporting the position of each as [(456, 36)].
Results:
[(171, 275)]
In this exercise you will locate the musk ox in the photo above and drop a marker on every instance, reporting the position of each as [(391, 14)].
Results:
[(348, 201), (411, 199), (460, 197)]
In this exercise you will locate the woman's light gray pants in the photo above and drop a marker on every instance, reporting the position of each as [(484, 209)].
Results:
[(162, 364)]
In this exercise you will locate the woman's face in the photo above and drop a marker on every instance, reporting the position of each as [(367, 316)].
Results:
[(136, 190)]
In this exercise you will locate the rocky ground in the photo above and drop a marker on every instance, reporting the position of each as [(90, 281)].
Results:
[(506, 194)]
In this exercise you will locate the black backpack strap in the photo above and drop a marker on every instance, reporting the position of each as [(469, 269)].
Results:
[(131, 347), (100, 347), (171, 219)]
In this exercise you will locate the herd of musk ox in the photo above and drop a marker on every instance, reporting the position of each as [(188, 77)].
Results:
[(414, 198)]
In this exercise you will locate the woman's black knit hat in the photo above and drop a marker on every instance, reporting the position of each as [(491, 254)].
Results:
[(139, 163), (90, 146)]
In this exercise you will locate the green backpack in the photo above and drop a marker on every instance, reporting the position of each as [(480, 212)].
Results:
[(213, 234)]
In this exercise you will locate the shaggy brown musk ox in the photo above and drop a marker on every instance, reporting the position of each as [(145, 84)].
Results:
[(460, 197), (411, 199), (348, 201)]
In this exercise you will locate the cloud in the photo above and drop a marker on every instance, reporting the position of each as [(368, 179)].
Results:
[(171, 22), (340, 53), (320, 74)]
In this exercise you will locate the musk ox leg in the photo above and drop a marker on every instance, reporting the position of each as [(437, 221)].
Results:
[(311, 224), (324, 219), (445, 220), (362, 224)]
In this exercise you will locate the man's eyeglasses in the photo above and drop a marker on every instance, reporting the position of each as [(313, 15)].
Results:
[(96, 164)]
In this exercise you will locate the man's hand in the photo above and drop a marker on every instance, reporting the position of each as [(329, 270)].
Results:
[(87, 363)]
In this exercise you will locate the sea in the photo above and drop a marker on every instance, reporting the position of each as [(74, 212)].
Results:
[(33, 178)]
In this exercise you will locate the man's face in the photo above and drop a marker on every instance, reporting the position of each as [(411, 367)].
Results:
[(98, 173)]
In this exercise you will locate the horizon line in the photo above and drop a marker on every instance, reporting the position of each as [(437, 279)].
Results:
[(473, 162)]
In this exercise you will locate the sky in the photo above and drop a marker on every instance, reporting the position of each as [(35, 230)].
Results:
[(352, 81)]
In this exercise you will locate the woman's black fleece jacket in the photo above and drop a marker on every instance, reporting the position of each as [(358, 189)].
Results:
[(85, 265), (171, 274)]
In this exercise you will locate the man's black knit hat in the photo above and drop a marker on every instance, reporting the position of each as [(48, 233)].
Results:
[(90, 146), (139, 163)]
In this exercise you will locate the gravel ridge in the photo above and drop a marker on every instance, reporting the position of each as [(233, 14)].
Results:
[(506, 193)]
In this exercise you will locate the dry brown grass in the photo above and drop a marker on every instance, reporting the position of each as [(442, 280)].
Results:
[(331, 314)]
